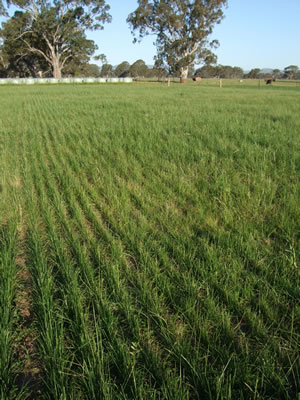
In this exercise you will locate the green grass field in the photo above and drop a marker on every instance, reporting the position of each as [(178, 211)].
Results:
[(149, 242)]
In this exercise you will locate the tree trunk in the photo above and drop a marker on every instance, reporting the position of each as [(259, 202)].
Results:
[(56, 68), (184, 74)]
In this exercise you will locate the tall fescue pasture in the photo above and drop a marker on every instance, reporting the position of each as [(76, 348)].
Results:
[(149, 242)]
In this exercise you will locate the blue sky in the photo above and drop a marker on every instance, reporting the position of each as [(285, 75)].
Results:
[(254, 33)]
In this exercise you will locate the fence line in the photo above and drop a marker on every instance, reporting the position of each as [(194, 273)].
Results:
[(32, 81)]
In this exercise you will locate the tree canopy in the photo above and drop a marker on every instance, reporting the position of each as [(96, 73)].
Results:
[(182, 29), (106, 70), (122, 69), (2, 9), (138, 69), (54, 31), (290, 72), (220, 71)]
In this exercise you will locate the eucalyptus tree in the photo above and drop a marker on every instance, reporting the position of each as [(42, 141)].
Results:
[(138, 69), (182, 29), (276, 73), (3, 63), (122, 69), (18, 60), (55, 30), (107, 70), (291, 71), (254, 73)]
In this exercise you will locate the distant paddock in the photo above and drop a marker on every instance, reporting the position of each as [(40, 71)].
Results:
[(238, 82)]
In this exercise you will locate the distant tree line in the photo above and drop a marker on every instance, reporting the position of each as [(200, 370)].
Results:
[(11, 66), (290, 72), (228, 72), (139, 69)]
